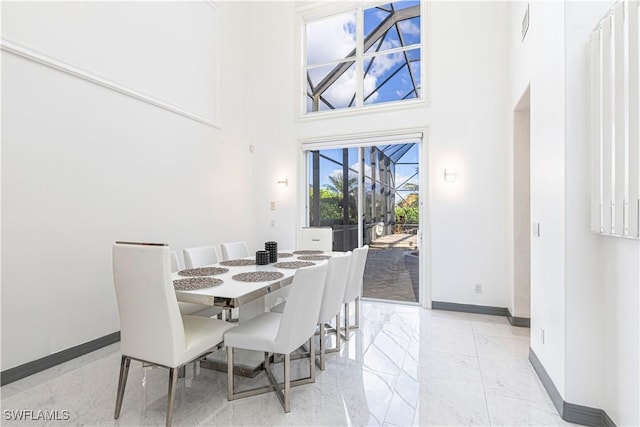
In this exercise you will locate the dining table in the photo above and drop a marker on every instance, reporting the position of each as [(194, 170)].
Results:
[(243, 285)]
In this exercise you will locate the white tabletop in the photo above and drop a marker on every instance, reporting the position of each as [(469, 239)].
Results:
[(233, 293)]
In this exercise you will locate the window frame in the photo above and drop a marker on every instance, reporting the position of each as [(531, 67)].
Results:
[(312, 12)]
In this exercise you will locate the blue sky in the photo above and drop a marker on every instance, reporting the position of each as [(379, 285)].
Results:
[(403, 172), (332, 39)]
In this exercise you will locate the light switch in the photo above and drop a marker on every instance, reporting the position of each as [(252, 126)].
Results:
[(536, 229), (273, 206)]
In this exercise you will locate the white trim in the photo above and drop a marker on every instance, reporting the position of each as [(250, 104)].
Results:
[(76, 71), (212, 4), (360, 139)]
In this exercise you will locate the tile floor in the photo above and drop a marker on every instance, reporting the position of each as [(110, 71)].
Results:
[(404, 366)]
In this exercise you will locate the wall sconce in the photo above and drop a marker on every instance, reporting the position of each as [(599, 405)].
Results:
[(450, 175), (283, 181)]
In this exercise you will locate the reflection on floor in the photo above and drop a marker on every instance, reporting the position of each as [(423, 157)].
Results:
[(404, 366)]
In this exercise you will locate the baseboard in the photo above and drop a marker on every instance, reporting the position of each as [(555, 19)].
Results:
[(522, 322), (469, 308), (569, 412), (547, 382), (14, 374)]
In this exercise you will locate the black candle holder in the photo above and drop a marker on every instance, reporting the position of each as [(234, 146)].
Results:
[(262, 257), (272, 249)]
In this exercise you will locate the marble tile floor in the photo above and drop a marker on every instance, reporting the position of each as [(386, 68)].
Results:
[(405, 366)]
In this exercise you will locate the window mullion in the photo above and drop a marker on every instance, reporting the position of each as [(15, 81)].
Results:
[(359, 66)]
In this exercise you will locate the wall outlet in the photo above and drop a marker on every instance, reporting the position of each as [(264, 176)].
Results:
[(477, 288)]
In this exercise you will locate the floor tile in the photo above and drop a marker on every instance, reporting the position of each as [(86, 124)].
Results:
[(403, 366), (507, 411)]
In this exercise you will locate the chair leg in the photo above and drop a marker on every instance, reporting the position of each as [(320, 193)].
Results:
[(287, 382), (312, 359), (338, 331), (229, 373), (322, 336), (173, 378), (122, 383), (346, 322), (357, 312)]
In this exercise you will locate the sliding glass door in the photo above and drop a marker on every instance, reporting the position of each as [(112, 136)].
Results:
[(370, 195)]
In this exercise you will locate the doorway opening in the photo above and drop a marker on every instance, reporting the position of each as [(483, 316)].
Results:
[(370, 195), (521, 301)]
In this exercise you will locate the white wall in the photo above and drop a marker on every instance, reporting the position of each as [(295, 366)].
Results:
[(585, 290), (521, 298), (271, 113), (584, 287), (83, 166), (466, 130), (621, 276)]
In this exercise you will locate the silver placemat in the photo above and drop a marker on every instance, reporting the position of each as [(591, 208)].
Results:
[(193, 283), (237, 262), (284, 255), (258, 276), (308, 252), (314, 257), (293, 264), (202, 271)]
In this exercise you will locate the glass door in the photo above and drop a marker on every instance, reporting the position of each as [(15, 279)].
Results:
[(370, 195)]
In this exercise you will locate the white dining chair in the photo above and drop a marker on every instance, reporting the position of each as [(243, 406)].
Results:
[(200, 256), (151, 328), (191, 308), (281, 333), (331, 305), (354, 287), (316, 238), (332, 299), (234, 250)]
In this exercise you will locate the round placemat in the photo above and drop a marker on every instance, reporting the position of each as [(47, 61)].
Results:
[(258, 276), (202, 271), (308, 252), (314, 257), (293, 264), (238, 262), (285, 254), (193, 283)]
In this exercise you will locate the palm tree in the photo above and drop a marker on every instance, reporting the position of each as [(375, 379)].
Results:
[(337, 184), (337, 187)]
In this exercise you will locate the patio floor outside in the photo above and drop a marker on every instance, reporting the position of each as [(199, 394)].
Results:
[(391, 272)]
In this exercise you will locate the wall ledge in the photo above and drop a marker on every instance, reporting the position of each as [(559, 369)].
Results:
[(81, 73)]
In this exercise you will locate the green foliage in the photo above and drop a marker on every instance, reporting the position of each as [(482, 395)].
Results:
[(407, 215), (331, 211)]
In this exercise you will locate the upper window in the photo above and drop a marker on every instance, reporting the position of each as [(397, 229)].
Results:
[(366, 56)]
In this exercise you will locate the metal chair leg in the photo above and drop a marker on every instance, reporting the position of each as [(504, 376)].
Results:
[(338, 331), (322, 337), (173, 377), (312, 359), (230, 373), (346, 322), (287, 382), (122, 383), (357, 312)]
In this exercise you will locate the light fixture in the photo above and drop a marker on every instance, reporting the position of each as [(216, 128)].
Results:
[(450, 175), (283, 181)]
